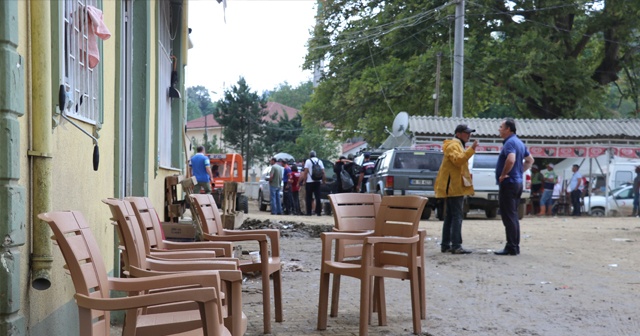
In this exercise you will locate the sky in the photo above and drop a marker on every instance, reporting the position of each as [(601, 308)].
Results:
[(263, 41)]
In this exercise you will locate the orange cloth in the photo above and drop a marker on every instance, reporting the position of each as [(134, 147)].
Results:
[(97, 28)]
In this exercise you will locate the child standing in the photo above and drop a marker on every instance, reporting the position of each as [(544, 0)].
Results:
[(295, 190)]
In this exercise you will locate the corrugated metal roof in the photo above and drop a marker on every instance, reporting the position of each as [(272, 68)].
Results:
[(560, 129)]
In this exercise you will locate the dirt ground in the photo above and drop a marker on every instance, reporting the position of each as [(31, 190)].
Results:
[(573, 277)]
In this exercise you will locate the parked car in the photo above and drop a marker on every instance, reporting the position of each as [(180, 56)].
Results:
[(264, 196), (620, 202), (408, 172), (482, 167)]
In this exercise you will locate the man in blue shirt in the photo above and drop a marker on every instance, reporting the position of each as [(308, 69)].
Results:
[(513, 161), (201, 169)]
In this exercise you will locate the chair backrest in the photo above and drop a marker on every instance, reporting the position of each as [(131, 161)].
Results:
[(399, 216), (148, 220), (355, 211), (130, 233), (84, 261), (208, 212)]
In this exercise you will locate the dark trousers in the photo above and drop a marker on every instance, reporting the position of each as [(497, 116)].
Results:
[(575, 202), (295, 207), (287, 200), (452, 226), (312, 189), (509, 200)]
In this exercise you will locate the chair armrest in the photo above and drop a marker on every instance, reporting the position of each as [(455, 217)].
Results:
[(204, 279), (190, 265), (226, 246), (186, 254), (191, 294), (327, 239)]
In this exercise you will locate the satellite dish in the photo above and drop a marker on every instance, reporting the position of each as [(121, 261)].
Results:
[(400, 124)]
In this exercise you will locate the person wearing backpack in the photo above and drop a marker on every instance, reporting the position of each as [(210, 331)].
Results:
[(312, 176)]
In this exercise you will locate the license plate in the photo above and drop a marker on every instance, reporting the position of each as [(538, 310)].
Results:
[(427, 182), (493, 197)]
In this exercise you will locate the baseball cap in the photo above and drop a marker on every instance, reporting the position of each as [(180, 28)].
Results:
[(464, 128)]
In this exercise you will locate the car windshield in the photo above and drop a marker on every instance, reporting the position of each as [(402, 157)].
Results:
[(417, 160)]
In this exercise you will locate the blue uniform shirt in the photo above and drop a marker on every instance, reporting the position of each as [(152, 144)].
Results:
[(512, 144), (199, 164)]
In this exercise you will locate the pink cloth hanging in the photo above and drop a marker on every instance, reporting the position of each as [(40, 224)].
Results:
[(97, 28)]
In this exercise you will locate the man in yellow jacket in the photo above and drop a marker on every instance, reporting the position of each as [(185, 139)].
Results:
[(452, 184)]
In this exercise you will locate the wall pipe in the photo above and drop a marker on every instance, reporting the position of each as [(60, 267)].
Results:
[(40, 152)]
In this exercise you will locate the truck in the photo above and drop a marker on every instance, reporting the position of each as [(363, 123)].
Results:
[(227, 168)]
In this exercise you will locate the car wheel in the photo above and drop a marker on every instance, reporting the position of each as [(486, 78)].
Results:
[(597, 212), (262, 206), (491, 213), (242, 204), (426, 213)]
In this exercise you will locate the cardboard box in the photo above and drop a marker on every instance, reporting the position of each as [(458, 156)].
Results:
[(181, 231)]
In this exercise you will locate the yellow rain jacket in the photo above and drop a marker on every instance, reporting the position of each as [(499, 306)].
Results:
[(454, 178)]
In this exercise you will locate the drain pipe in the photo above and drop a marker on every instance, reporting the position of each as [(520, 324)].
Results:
[(41, 133)]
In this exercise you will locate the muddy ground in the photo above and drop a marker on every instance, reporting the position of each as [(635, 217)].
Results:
[(573, 277)]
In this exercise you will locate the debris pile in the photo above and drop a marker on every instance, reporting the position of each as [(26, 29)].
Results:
[(287, 229)]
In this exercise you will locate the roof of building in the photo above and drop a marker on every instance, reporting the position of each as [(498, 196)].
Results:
[(565, 129), (272, 108)]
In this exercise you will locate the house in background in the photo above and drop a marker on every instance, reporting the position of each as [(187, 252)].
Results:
[(109, 65)]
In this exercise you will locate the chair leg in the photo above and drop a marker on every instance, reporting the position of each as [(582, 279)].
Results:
[(277, 295), (415, 302), (335, 295), (381, 300), (323, 301), (365, 304), (423, 296), (266, 302)]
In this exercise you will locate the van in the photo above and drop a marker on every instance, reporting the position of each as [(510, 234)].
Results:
[(482, 166)]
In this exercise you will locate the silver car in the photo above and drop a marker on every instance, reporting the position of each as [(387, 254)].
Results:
[(264, 195)]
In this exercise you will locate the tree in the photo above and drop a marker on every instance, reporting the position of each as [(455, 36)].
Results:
[(528, 59), (198, 102), (295, 97), (241, 113)]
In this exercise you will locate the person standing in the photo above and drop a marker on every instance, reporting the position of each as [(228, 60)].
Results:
[(201, 169), (338, 167), (294, 181), (636, 193), (312, 183), (286, 192), (549, 180), (453, 183), (365, 172), (575, 189), (513, 161), (536, 188), (275, 181)]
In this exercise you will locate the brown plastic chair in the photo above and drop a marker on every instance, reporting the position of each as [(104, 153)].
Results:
[(269, 263), (138, 263), (85, 264), (356, 212), (390, 251), (148, 218)]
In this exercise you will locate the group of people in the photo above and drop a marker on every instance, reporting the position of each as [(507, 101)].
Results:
[(454, 182), (346, 169), (546, 189)]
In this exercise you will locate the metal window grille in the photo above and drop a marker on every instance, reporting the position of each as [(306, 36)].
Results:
[(165, 38), (80, 81)]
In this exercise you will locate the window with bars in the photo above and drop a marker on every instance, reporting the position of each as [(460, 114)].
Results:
[(80, 80), (167, 31)]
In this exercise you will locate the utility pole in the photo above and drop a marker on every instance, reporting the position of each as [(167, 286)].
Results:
[(458, 61), (437, 94)]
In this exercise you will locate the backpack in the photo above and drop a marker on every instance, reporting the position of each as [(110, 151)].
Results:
[(345, 179), (316, 170)]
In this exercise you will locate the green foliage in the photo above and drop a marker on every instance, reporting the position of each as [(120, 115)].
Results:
[(209, 146), (199, 102), (294, 97), (241, 113), (525, 59)]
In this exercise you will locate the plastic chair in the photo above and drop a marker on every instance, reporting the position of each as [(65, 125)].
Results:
[(269, 263), (390, 251), (138, 263), (150, 223), (356, 212), (85, 264)]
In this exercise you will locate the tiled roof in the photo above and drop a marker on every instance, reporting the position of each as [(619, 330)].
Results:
[(351, 145), (272, 107), (564, 129)]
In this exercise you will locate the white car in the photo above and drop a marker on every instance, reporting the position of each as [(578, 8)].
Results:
[(620, 202)]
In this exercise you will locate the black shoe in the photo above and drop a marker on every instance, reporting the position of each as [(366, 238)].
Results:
[(460, 250), (445, 249), (505, 252)]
